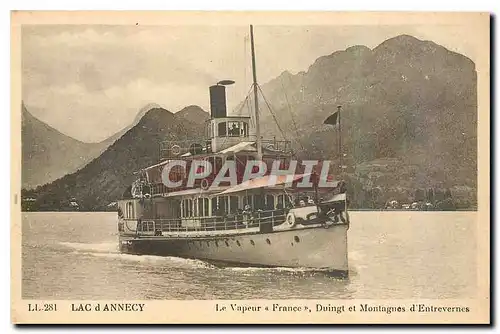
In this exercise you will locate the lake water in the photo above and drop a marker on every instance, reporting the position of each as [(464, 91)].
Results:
[(392, 255)]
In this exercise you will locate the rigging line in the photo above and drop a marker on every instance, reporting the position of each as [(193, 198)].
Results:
[(272, 113), (238, 111), (250, 111), (291, 115)]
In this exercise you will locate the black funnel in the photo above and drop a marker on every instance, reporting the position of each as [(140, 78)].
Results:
[(218, 101)]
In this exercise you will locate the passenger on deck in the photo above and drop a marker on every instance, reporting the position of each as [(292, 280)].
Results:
[(302, 203), (247, 215), (235, 130)]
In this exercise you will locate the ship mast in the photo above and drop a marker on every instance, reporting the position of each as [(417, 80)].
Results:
[(256, 99)]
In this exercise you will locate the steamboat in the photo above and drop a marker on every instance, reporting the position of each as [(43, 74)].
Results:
[(237, 199)]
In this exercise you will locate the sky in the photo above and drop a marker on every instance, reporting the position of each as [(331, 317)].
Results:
[(90, 81)]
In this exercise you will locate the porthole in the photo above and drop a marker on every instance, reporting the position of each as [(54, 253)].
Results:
[(252, 242), (296, 238), (268, 241), (227, 243)]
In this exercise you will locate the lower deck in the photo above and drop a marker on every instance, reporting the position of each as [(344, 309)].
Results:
[(314, 247)]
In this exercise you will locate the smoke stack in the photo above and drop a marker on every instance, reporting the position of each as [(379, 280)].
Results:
[(218, 101)]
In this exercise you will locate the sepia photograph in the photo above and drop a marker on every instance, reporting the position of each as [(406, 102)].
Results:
[(265, 165)]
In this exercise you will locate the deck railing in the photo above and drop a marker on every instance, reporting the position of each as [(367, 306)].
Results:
[(169, 149), (264, 220)]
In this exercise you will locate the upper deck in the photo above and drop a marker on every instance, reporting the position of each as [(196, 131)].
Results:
[(200, 149), (226, 138)]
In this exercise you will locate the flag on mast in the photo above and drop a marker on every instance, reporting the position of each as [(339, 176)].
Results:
[(332, 119)]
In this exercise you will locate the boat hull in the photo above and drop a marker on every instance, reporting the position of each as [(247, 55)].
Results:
[(312, 247)]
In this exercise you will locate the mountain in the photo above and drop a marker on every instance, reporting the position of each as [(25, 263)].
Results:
[(408, 104), (48, 154), (105, 178), (193, 114)]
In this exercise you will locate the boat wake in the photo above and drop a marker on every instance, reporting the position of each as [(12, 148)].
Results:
[(111, 251), (164, 261), (105, 247), (270, 269)]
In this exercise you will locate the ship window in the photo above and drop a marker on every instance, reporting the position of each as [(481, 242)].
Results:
[(130, 210), (223, 206), (244, 129), (233, 204), (248, 200), (233, 129), (280, 204), (200, 206), (195, 207), (187, 208), (259, 202), (214, 206), (222, 129), (206, 207), (269, 202)]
